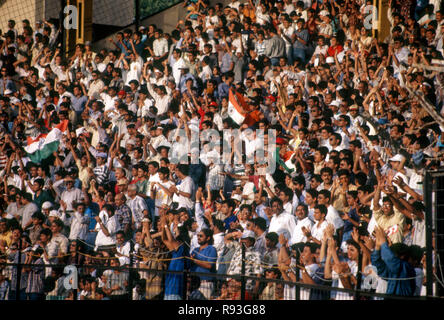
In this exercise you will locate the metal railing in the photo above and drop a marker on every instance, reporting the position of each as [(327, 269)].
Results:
[(103, 281)]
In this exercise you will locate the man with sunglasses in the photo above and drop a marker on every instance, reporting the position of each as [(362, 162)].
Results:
[(204, 261)]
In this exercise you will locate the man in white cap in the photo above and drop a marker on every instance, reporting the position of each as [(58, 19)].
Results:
[(252, 259), (397, 164), (46, 210)]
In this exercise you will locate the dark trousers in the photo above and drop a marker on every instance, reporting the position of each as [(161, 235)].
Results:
[(22, 295), (36, 296)]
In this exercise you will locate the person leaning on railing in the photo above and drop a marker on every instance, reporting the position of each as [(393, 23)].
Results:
[(392, 264)]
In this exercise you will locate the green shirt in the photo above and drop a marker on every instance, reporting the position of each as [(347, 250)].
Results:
[(42, 198)]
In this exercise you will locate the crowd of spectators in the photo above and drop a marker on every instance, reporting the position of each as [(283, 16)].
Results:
[(354, 135)]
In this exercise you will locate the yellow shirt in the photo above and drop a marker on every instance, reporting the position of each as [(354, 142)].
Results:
[(7, 237), (83, 174), (392, 225), (339, 199)]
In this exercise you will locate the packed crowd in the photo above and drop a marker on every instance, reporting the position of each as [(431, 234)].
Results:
[(88, 142)]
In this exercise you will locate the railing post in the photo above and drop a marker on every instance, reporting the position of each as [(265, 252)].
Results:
[(428, 181), (19, 271), (243, 272), (358, 278), (130, 278), (298, 278), (137, 14), (75, 290), (185, 285)]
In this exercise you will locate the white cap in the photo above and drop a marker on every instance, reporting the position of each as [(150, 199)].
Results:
[(397, 157), (7, 91), (335, 103), (248, 234), (236, 197), (46, 205), (53, 213)]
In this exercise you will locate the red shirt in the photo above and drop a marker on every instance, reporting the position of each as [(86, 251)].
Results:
[(331, 51)]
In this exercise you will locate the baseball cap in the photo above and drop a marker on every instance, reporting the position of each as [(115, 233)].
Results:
[(53, 213), (46, 205), (397, 157), (248, 234), (334, 103)]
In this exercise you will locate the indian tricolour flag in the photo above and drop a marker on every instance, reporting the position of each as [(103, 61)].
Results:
[(236, 103), (45, 144)]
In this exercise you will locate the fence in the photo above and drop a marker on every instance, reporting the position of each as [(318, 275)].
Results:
[(100, 277), (434, 203), (151, 7)]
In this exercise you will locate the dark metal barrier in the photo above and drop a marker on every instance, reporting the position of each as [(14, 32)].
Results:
[(434, 203), (110, 282)]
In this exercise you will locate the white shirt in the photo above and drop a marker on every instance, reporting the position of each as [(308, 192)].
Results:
[(248, 190), (71, 196), (288, 208), (219, 245), (112, 225), (318, 231), (79, 226), (298, 235), (109, 101), (334, 275), (160, 46), (135, 71), (334, 218), (161, 197), (311, 270), (282, 223), (186, 185), (124, 250)]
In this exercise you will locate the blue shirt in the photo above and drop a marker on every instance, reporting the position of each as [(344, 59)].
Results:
[(391, 267), (228, 220), (174, 282), (223, 90), (183, 80), (91, 212), (348, 226), (208, 254)]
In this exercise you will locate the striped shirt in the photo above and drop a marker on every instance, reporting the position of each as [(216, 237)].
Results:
[(35, 278), (102, 174)]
